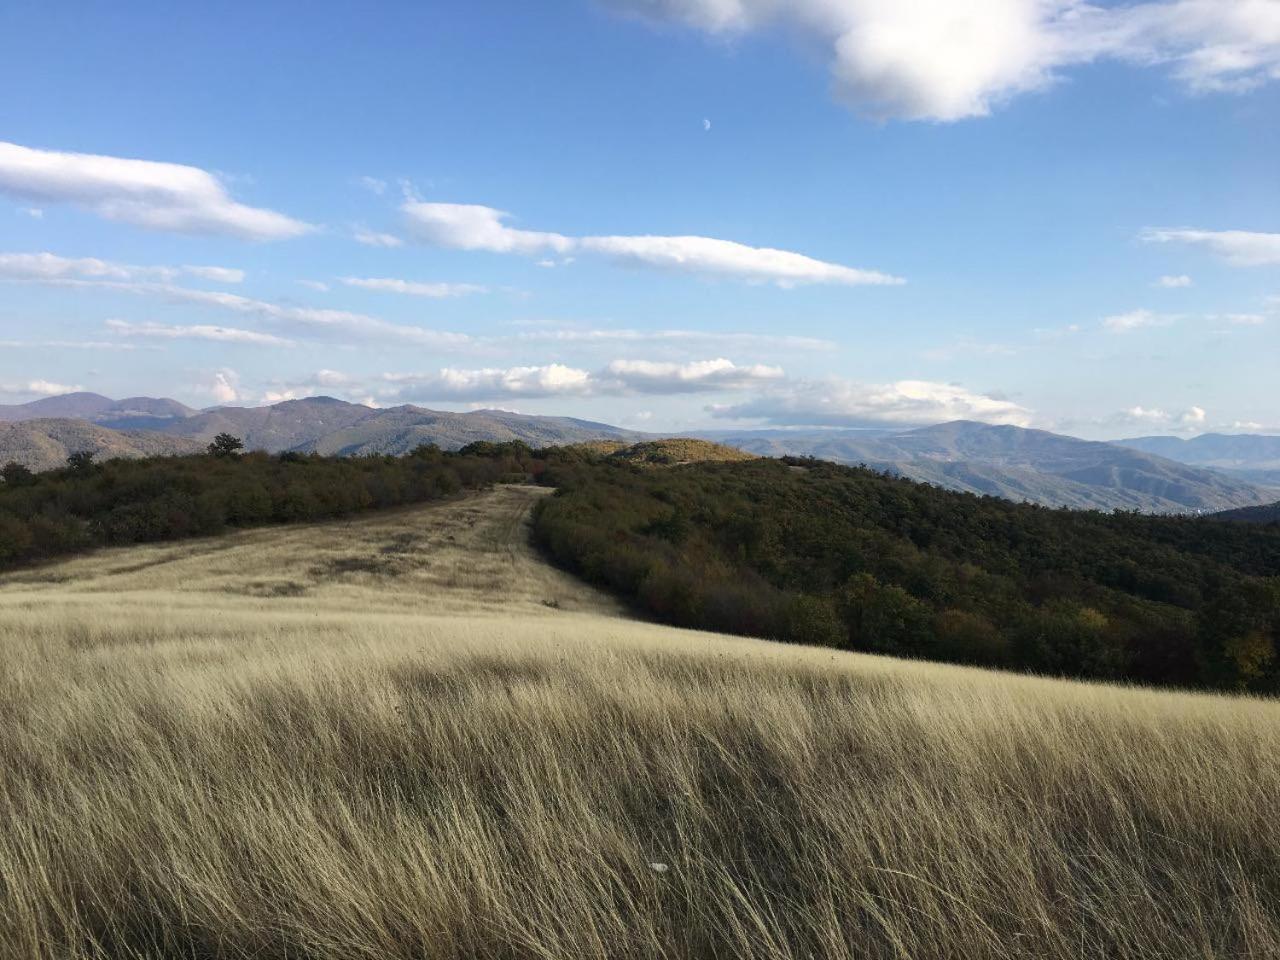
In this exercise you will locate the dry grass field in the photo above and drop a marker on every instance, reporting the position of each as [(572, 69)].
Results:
[(404, 736)]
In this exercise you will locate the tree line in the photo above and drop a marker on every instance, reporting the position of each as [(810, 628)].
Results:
[(88, 504), (812, 552)]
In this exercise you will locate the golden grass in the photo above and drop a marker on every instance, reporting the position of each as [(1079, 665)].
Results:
[(419, 757)]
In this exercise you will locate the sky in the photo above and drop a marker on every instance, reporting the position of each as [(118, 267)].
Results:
[(663, 214)]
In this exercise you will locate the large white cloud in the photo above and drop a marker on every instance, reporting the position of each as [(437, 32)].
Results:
[(1240, 247), (158, 196), (647, 376), (451, 383), (950, 59), (844, 403), (464, 226)]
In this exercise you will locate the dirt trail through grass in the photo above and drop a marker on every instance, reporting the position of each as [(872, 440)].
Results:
[(470, 556)]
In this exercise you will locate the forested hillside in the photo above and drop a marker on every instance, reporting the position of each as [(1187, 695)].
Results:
[(87, 504), (817, 553)]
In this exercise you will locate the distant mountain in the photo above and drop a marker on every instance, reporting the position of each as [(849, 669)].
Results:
[(329, 426), (1019, 464), (46, 444), (78, 406), (1254, 458), (141, 413)]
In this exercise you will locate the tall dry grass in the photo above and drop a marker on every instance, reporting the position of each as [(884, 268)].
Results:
[(190, 770)]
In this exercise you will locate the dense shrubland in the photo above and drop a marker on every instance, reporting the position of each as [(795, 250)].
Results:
[(816, 553), (88, 504)]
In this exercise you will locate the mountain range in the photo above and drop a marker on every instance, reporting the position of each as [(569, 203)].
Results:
[(1019, 464), (1250, 456), (1011, 462), (41, 434)]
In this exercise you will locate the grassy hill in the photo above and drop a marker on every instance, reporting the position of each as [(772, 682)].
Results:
[(402, 736), (678, 450), (46, 444)]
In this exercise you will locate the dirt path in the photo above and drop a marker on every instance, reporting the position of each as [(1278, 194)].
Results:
[(471, 556)]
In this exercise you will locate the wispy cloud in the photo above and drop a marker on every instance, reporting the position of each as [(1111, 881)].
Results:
[(96, 274), (1173, 282), (49, 266), (158, 196), (373, 238), (727, 338), (160, 331), (413, 288), (474, 227), (1241, 248), (1135, 320)]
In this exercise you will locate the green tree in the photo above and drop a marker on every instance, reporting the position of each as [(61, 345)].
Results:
[(225, 445), (81, 461), (16, 475)]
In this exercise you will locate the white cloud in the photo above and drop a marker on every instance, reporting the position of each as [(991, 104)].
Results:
[(39, 388), (412, 288), (726, 258), (224, 386), (1191, 420), (470, 226), (843, 403), (316, 285), (161, 331), (320, 382), (40, 267), (621, 377), (373, 185), (1135, 320), (947, 60), (455, 384), (646, 376), (158, 196), (372, 238), (474, 227), (342, 321), (1173, 282), (1239, 247), (216, 274), (35, 213)]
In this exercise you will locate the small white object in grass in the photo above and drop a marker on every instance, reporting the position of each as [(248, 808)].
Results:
[(660, 867)]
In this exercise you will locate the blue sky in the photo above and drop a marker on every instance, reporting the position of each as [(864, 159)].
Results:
[(666, 214)]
